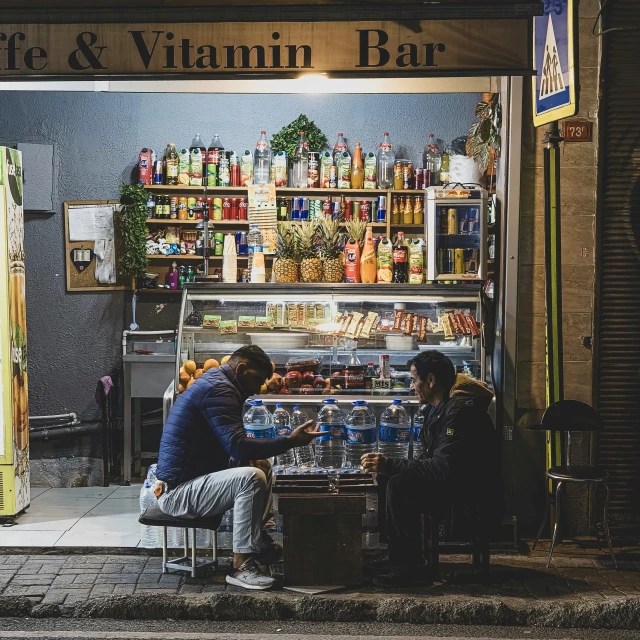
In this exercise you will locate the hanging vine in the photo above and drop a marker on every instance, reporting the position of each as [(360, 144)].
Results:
[(133, 262)]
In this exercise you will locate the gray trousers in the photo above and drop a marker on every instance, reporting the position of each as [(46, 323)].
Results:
[(246, 490)]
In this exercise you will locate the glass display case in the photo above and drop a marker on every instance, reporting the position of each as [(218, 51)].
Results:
[(352, 340), (456, 224)]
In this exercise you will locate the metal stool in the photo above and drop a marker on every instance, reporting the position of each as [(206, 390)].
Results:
[(153, 517), (567, 416)]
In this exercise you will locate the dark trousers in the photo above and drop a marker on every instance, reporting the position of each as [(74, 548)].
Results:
[(407, 498)]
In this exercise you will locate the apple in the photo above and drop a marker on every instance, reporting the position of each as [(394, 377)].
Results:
[(308, 377), (318, 382), (293, 379)]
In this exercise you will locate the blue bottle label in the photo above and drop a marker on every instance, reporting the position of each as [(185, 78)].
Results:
[(361, 436), (270, 432), (333, 431), (393, 433)]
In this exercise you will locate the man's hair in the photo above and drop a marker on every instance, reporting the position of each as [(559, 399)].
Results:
[(437, 364), (255, 357)]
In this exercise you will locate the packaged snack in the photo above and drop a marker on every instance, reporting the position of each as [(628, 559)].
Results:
[(302, 365), (247, 321), (211, 321), (462, 323), (228, 326), (368, 324), (345, 321), (408, 323), (446, 326), (423, 323), (353, 325), (398, 319), (263, 323), (471, 321)]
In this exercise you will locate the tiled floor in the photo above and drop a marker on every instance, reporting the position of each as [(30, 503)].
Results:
[(80, 517)]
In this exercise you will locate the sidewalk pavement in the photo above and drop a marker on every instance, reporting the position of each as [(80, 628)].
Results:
[(578, 590)]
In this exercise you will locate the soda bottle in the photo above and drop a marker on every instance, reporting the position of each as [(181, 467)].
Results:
[(282, 425), (338, 148), (357, 168), (305, 455), (213, 160), (354, 372), (386, 160), (400, 259), (369, 375), (197, 143), (301, 163), (262, 161), (258, 422), (444, 167), (171, 162), (431, 161), (395, 431), (361, 433), (330, 448), (418, 423)]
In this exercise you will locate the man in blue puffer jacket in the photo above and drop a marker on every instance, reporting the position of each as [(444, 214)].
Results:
[(204, 453)]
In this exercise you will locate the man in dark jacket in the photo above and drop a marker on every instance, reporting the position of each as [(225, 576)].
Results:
[(204, 453), (460, 459)]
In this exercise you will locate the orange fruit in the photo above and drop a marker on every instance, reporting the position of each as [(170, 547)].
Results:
[(191, 382), (198, 373), (225, 360), (190, 367), (211, 364), (181, 388), (184, 378), (273, 364)]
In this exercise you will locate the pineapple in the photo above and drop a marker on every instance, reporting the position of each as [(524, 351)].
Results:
[(356, 230), (311, 265), (286, 267), (333, 258)]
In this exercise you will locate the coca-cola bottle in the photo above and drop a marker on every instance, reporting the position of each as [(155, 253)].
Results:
[(354, 372), (400, 259), (338, 148)]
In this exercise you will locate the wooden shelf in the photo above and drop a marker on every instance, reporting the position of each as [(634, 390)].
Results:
[(174, 257), (407, 192), (189, 189), (230, 223), (406, 226), (285, 190), (159, 290), (172, 221)]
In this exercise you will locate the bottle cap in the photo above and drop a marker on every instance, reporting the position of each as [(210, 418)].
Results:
[(330, 401), (279, 405), (395, 401), (360, 403), (296, 407), (258, 403)]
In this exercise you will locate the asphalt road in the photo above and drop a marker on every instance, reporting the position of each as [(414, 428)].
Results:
[(202, 630)]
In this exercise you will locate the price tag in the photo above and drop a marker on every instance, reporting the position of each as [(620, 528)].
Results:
[(577, 131)]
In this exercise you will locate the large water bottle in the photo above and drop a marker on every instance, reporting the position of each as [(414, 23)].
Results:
[(254, 243), (301, 163), (418, 423), (361, 433), (395, 431), (305, 455), (258, 422), (282, 425), (262, 161), (386, 160), (150, 537), (330, 448)]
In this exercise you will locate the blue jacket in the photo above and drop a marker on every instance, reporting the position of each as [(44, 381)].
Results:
[(204, 431)]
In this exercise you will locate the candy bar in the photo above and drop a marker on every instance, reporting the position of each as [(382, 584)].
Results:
[(398, 319), (423, 324), (408, 323), (471, 321)]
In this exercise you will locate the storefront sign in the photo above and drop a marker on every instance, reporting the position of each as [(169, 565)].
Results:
[(428, 47), (554, 86)]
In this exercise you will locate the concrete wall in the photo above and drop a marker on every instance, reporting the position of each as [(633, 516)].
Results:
[(75, 338), (578, 209)]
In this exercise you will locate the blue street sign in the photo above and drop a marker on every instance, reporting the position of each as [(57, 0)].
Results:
[(554, 86)]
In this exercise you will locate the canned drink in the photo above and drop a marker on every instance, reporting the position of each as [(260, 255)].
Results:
[(463, 224), (385, 368), (335, 210), (226, 209), (219, 244), (313, 179), (459, 262), (452, 222), (356, 211), (191, 208), (450, 260), (441, 261), (238, 237), (303, 207), (333, 177), (315, 209), (234, 171), (158, 172), (381, 214), (473, 220), (326, 207), (365, 210), (295, 209), (235, 209), (242, 208), (182, 208), (217, 208)]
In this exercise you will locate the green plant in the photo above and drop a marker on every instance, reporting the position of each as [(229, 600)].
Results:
[(287, 138), (133, 261), (484, 134)]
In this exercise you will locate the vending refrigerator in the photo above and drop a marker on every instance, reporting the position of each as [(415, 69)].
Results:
[(456, 232), (14, 417)]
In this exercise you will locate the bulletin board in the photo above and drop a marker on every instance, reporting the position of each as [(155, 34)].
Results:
[(87, 219)]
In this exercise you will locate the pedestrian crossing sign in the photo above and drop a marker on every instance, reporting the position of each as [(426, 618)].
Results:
[(554, 86)]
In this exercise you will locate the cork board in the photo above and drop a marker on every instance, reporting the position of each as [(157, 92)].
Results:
[(85, 280)]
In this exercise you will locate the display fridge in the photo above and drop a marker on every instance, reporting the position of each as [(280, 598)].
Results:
[(14, 418), (456, 232)]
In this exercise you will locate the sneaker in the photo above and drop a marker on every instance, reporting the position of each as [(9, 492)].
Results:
[(270, 550), (404, 576), (377, 563), (249, 576)]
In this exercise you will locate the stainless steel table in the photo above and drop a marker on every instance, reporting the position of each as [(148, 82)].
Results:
[(145, 376)]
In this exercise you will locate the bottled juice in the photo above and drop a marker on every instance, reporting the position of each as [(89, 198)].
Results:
[(195, 167), (368, 263), (183, 166), (344, 171), (171, 161), (370, 171), (385, 260), (357, 168), (352, 261), (416, 261)]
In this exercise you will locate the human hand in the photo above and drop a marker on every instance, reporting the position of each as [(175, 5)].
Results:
[(263, 465), (301, 435), (374, 462)]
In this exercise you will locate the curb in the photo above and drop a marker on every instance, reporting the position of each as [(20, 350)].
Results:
[(613, 613)]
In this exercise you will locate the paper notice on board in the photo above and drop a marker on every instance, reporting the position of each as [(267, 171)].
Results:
[(105, 253), (90, 223)]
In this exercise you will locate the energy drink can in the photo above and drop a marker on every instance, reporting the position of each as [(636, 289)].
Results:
[(441, 261), (158, 172), (450, 260), (335, 210), (295, 208), (315, 209), (381, 214), (217, 209), (219, 240), (452, 222), (459, 266), (303, 207)]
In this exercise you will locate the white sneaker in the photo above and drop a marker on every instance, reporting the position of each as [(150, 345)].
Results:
[(249, 576)]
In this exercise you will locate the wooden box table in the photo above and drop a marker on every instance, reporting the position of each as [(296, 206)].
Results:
[(322, 531)]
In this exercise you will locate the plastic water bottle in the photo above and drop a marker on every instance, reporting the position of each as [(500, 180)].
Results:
[(258, 422), (254, 241), (386, 160), (282, 425), (418, 422), (262, 161), (225, 531), (301, 163), (370, 531), (151, 473), (305, 456), (395, 431), (150, 537), (361, 433), (330, 448)]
